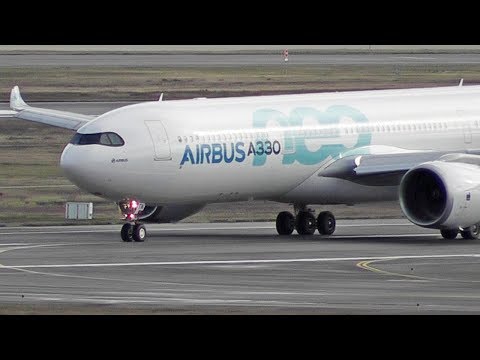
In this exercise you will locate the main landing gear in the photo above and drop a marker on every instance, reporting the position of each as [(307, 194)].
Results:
[(305, 222), (470, 233), (132, 230)]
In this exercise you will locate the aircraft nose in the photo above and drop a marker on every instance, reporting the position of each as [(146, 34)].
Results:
[(69, 163), (79, 165)]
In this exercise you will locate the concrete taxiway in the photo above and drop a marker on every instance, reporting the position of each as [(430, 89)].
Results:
[(368, 267), (176, 60)]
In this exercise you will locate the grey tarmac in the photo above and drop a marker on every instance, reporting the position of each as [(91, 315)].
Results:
[(194, 60), (368, 267)]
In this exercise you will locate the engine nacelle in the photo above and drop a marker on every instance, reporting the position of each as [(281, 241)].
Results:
[(168, 213), (441, 195)]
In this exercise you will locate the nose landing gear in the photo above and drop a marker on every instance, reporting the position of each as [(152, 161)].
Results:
[(132, 230)]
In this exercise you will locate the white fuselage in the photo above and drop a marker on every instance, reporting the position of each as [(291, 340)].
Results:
[(217, 150)]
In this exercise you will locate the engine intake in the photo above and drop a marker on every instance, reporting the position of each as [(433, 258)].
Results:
[(441, 195), (424, 197)]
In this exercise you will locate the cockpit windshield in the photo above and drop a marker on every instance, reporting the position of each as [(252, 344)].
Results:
[(106, 139)]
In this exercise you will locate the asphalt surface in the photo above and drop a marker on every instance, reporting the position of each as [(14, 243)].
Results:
[(368, 267), (176, 60)]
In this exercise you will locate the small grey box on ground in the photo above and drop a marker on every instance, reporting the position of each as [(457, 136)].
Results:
[(79, 211)]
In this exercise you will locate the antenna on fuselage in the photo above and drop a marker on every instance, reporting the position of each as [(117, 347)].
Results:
[(161, 97), (461, 83)]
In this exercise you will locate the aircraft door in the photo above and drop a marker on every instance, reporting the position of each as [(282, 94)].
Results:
[(160, 140)]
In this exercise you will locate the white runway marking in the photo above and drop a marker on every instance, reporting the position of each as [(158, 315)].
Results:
[(210, 228), (34, 186), (414, 58), (382, 236), (14, 244), (74, 231), (252, 261)]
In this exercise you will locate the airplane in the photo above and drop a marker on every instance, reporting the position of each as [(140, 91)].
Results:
[(163, 161)]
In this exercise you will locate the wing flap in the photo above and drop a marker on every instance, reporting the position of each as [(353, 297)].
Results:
[(388, 169)]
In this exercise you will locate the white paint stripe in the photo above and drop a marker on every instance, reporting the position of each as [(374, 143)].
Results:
[(341, 223), (386, 236), (414, 58), (256, 261), (73, 231), (15, 244), (34, 186), (373, 225), (266, 227)]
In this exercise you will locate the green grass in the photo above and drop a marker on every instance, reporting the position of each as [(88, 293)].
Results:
[(123, 83)]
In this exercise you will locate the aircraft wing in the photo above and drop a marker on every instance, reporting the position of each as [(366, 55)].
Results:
[(388, 169), (56, 118)]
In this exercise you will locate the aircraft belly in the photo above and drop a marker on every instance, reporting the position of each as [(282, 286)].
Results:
[(322, 190)]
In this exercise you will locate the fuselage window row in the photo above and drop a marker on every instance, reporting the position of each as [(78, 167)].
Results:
[(378, 129)]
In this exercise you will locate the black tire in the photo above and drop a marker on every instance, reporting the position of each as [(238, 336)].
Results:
[(449, 234), (285, 223), (139, 233), (471, 233), (306, 223), (326, 223), (127, 233)]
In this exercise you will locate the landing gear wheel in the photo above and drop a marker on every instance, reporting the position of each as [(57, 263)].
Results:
[(139, 233), (127, 232), (326, 223), (306, 224), (449, 234), (471, 233), (285, 223)]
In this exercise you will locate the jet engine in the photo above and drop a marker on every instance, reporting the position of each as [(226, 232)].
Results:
[(442, 194)]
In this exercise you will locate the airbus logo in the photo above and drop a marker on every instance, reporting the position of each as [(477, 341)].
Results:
[(298, 145), (228, 153)]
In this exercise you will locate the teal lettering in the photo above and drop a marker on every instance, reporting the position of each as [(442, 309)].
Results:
[(187, 156), (228, 159), (241, 153), (216, 153), (205, 151)]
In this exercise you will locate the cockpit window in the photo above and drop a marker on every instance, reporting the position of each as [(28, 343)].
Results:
[(115, 139), (106, 139)]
